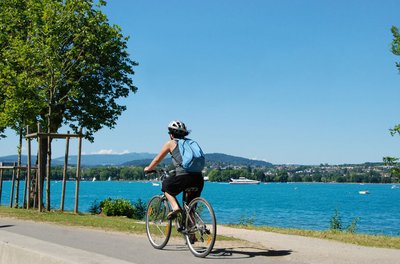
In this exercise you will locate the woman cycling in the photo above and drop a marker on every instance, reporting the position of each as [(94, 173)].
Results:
[(174, 185)]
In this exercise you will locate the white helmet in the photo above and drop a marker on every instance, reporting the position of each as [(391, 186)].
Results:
[(178, 127)]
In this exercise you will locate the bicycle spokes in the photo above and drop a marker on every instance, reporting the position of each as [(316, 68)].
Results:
[(158, 227), (201, 227), (197, 223)]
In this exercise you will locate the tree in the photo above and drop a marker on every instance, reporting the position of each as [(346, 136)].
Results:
[(65, 56), (81, 61), (396, 51), (282, 176), (395, 171), (19, 102)]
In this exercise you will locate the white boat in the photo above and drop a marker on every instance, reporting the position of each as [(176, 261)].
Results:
[(155, 184), (364, 192), (94, 179), (243, 180), (395, 187), (109, 178)]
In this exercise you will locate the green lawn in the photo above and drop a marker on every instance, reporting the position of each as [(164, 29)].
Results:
[(357, 239), (109, 223)]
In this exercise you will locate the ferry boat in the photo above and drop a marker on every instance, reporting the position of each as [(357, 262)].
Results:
[(243, 180)]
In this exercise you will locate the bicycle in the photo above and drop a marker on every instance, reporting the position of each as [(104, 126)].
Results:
[(196, 222)]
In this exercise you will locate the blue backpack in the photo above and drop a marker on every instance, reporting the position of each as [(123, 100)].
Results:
[(193, 159)]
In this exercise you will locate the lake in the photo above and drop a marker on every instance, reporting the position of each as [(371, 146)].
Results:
[(297, 205)]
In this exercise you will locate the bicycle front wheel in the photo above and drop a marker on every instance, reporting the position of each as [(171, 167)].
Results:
[(201, 227), (158, 227)]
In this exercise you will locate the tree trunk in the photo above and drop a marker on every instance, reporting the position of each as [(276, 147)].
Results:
[(48, 173), (1, 180), (64, 183), (18, 169), (78, 172), (42, 172), (12, 186), (27, 189)]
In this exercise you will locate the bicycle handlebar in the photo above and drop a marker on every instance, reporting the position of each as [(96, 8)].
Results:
[(163, 173), (159, 171)]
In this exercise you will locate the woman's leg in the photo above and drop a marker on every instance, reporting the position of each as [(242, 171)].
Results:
[(172, 201)]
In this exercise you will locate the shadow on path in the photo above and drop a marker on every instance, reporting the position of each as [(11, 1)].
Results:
[(236, 252), (247, 252), (5, 226)]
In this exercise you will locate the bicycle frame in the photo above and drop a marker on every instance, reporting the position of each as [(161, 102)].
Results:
[(196, 222)]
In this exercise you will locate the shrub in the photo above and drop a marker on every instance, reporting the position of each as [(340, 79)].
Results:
[(353, 226), (117, 207), (95, 208), (123, 207), (337, 225), (336, 222), (140, 209), (247, 220)]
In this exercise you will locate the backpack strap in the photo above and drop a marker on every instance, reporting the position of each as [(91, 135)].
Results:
[(177, 146)]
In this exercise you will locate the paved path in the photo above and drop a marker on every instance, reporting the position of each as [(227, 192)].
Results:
[(48, 242), (318, 251), (28, 241)]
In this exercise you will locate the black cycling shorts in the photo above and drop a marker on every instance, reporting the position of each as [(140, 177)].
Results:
[(174, 185)]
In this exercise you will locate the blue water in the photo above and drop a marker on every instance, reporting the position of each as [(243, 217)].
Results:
[(298, 205)]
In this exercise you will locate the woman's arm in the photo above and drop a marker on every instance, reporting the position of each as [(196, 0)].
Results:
[(164, 151)]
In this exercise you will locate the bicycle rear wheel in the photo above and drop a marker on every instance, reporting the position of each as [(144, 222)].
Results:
[(158, 227), (201, 227)]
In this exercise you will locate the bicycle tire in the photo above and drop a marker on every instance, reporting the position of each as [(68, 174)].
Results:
[(201, 227), (158, 227)]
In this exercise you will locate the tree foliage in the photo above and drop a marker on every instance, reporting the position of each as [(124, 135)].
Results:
[(19, 97), (395, 172), (62, 63), (396, 51)]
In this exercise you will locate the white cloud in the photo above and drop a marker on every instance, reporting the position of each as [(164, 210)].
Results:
[(110, 151)]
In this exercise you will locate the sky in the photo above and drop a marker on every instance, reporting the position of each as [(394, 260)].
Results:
[(288, 82)]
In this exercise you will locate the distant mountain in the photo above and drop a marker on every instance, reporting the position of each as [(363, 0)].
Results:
[(217, 159), (88, 160), (107, 159), (14, 158), (224, 159), (140, 159), (145, 162)]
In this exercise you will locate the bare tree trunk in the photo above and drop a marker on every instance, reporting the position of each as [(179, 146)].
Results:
[(64, 183), (42, 144), (12, 186), (78, 172), (18, 168), (43, 168), (48, 173), (27, 189), (1, 180), (35, 187)]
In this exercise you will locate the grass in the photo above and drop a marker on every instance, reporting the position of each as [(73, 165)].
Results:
[(127, 225), (351, 238), (120, 224), (108, 223)]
